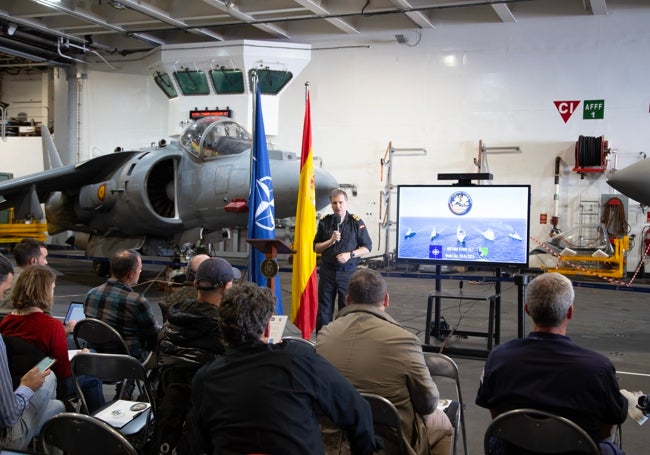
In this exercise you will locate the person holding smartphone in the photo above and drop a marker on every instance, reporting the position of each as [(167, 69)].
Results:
[(23, 410), (33, 295)]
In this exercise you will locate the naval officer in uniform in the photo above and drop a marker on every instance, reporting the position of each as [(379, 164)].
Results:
[(341, 239)]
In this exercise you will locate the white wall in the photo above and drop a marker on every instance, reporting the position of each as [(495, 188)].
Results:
[(121, 109), (21, 155), (500, 90), (26, 93), (460, 84)]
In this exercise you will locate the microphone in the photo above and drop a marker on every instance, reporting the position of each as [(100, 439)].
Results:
[(336, 218)]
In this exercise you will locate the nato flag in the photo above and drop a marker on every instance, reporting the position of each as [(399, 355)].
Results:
[(261, 215)]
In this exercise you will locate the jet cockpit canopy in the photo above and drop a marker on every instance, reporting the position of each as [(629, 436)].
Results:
[(211, 137)]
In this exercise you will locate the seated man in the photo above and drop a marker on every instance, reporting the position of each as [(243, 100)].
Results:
[(117, 304), (187, 291), (28, 251), (378, 356), (547, 371), (265, 398), (23, 411), (188, 340)]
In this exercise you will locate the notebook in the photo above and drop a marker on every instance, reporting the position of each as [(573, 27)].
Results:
[(122, 412), (75, 312)]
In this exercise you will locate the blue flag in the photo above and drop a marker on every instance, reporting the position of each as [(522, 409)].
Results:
[(261, 204)]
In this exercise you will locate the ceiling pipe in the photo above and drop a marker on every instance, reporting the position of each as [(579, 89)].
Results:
[(25, 50)]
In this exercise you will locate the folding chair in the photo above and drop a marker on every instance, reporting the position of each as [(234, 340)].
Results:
[(387, 424), (100, 337), (119, 367), (441, 365), (524, 431), (79, 434), (104, 339)]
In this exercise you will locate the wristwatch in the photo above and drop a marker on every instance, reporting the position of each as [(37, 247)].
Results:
[(351, 254)]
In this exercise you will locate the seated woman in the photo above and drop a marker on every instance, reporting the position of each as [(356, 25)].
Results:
[(33, 294)]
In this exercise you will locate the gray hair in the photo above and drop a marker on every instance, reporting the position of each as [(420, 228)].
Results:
[(338, 191), (548, 298)]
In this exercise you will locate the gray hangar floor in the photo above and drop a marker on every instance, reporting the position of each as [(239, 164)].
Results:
[(613, 320)]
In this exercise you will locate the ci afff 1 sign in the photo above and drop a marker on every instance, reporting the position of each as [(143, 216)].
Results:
[(591, 109), (566, 108)]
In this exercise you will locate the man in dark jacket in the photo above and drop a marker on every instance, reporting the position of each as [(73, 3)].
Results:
[(266, 398), (547, 371), (189, 339)]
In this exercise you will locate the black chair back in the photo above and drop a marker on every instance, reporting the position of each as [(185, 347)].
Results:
[(387, 424), (530, 431), (99, 336), (78, 434)]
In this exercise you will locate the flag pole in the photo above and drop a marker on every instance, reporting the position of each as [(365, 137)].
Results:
[(253, 131)]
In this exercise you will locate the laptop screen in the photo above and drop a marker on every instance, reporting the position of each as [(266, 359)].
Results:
[(75, 312)]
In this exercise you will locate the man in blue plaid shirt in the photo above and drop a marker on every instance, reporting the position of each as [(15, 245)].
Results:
[(116, 303)]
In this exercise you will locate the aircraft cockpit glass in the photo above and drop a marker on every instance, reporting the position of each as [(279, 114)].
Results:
[(211, 137), (192, 82)]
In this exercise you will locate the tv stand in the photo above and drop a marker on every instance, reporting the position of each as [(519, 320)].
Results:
[(493, 333)]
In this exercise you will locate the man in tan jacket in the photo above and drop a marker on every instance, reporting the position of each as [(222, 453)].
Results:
[(378, 356)]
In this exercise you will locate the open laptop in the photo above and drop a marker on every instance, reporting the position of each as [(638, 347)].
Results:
[(75, 312)]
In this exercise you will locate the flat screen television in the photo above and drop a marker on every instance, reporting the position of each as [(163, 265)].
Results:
[(484, 226)]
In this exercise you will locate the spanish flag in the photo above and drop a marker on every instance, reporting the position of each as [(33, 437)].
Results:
[(304, 295)]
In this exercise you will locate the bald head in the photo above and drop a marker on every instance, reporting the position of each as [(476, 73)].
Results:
[(193, 266), (126, 266)]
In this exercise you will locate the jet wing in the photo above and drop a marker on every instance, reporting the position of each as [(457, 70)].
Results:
[(25, 193)]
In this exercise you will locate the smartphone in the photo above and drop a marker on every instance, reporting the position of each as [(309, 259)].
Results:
[(46, 363)]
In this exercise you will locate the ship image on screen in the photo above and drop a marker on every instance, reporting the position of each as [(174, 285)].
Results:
[(487, 226)]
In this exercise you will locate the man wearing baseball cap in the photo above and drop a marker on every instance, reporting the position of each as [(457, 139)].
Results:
[(189, 339), (215, 274)]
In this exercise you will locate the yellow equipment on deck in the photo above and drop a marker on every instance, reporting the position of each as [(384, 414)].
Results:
[(612, 266), (15, 231)]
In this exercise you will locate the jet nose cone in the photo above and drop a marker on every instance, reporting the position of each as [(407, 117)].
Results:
[(633, 181), (325, 183)]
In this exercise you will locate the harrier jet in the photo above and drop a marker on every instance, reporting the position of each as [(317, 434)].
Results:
[(158, 198)]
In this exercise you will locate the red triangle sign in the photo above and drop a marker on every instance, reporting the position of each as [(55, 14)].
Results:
[(566, 108)]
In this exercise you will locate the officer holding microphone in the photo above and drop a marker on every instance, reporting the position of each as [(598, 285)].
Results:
[(341, 239)]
